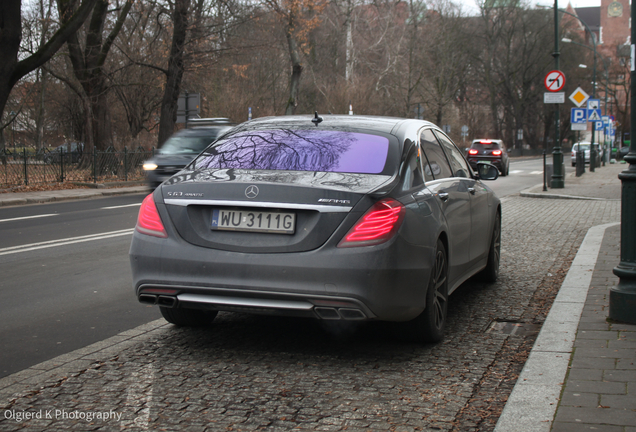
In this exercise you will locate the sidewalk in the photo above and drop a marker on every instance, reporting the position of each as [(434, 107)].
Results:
[(580, 375), (603, 183), (102, 190)]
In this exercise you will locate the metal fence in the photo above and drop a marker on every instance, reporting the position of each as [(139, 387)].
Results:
[(28, 167)]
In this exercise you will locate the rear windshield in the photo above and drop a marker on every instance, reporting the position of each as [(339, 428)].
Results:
[(485, 146), (299, 150), (186, 144), (582, 147)]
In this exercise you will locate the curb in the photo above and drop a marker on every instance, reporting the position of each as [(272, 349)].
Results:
[(74, 362), (527, 193), (535, 397), (36, 198)]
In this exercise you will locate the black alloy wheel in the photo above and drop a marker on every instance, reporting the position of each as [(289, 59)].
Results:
[(491, 272), (430, 324)]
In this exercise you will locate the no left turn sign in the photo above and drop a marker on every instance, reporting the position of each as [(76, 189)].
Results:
[(554, 81)]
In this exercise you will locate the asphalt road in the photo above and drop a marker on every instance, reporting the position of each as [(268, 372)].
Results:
[(63, 286), (66, 280)]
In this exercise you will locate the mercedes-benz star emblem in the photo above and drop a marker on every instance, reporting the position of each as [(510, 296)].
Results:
[(251, 191)]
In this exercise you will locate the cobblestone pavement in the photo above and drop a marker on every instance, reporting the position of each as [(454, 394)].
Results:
[(256, 373)]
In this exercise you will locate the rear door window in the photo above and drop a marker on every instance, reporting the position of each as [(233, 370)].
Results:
[(438, 166), (457, 161), (299, 150)]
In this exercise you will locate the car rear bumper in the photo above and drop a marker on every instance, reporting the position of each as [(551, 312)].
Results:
[(386, 282)]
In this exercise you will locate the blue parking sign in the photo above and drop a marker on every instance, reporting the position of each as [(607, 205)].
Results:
[(598, 125), (578, 116)]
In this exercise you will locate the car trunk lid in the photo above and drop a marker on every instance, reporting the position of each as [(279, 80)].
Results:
[(265, 211)]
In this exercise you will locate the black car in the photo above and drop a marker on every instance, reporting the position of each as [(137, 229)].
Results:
[(182, 147), (69, 153), (489, 151), (341, 218)]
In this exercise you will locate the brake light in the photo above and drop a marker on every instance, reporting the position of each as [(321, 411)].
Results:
[(485, 142), (376, 226), (149, 221), (496, 152), (473, 151)]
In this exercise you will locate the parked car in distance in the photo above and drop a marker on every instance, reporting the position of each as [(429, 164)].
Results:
[(182, 147), (585, 147), (69, 152), (491, 151), (622, 152), (337, 218)]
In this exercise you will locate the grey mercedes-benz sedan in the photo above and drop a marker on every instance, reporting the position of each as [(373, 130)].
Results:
[(336, 217)]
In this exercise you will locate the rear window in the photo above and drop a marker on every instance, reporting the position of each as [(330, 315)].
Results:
[(194, 145), (485, 146), (299, 150), (582, 147)]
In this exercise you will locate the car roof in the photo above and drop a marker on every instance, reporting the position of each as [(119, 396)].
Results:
[(498, 141), (378, 124), (202, 131)]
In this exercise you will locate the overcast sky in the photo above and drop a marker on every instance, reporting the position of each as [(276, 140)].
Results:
[(471, 5)]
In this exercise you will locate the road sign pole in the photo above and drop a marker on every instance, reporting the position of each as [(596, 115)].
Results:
[(557, 157)]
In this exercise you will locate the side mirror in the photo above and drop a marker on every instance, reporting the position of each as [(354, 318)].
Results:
[(486, 171)]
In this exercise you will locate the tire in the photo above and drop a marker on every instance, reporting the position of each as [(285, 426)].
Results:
[(183, 317), (573, 164), (491, 272), (429, 326)]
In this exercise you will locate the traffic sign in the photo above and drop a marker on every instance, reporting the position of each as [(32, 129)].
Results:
[(593, 104), (598, 126), (594, 115), (578, 116), (579, 97), (554, 81), (552, 98)]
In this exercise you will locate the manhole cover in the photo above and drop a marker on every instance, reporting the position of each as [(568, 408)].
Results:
[(514, 328)]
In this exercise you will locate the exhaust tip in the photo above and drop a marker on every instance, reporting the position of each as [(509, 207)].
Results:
[(327, 313), (167, 301), (148, 299), (352, 314)]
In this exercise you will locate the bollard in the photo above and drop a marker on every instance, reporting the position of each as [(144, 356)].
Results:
[(548, 171), (580, 163)]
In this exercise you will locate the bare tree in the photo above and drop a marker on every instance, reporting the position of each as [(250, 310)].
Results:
[(88, 66), (12, 69)]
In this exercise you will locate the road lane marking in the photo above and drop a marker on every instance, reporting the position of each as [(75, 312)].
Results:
[(121, 206), (28, 217), (62, 242), (536, 172), (515, 171)]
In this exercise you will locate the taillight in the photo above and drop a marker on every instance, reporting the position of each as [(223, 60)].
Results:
[(473, 151), (376, 226), (496, 152), (149, 221)]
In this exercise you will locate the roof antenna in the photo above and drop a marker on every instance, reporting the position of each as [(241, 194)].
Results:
[(317, 119)]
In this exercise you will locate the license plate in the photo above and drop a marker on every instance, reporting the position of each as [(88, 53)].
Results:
[(254, 221), (484, 162)]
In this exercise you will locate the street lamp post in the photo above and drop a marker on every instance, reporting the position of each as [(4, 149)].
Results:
[(557, 157), (622, 299)]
